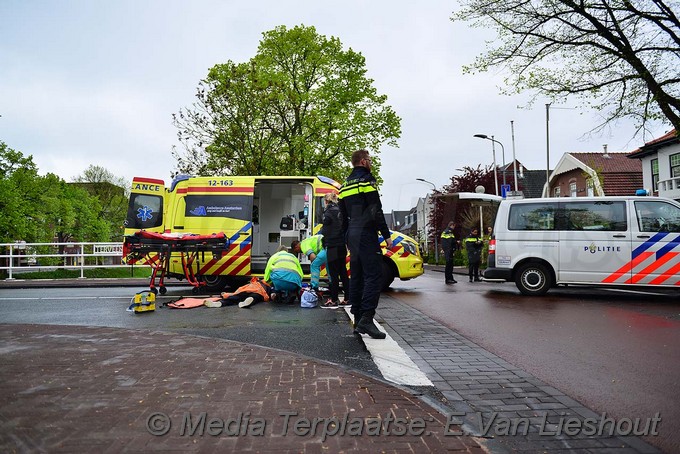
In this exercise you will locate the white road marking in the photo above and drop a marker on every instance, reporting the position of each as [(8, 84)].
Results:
[(392, 361)]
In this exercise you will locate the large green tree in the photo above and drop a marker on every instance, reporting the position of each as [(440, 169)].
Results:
[(300, 106), (112, 192), (42, 209), (19, 195), (620, 57)]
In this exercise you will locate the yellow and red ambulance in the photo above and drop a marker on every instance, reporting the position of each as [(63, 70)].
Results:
[(257, 214)]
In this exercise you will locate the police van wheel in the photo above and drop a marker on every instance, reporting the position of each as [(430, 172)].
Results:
[(387, 277), (533, 279)]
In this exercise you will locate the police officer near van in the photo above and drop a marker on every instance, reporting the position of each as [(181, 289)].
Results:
[(448, 239), (363, 219)]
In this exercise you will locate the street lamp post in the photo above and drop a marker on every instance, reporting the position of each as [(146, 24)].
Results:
[(494, 141), (436, 244)]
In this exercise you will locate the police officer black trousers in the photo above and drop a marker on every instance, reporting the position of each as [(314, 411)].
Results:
[(366, 266)]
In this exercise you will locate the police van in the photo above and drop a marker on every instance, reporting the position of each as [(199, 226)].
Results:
[(603, 241), (257, 214)]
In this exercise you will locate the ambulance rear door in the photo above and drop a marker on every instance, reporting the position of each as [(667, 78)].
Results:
[(146, 205)]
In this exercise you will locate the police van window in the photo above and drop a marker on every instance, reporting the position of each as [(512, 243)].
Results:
[(533, 216), (599, 215), (144, 212), (656, 216), (223, 206)]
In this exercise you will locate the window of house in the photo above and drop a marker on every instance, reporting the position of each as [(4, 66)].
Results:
[(589, 188), (655, 174), (572, 189), (556, 191), (675, 165)]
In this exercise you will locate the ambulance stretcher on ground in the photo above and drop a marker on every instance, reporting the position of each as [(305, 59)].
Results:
[(157, 249)]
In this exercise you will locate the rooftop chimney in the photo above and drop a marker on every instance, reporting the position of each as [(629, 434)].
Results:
[(605, 155)]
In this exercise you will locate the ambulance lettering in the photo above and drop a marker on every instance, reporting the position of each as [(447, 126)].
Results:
[(146, 187), (648, 258)]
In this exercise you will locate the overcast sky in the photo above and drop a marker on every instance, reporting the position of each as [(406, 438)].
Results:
[(96, 82)]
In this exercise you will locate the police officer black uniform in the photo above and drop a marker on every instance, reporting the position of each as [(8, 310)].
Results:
[(449, 247), (363, 218)]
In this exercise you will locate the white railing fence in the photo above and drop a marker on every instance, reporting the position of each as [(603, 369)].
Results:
[(21, 257)]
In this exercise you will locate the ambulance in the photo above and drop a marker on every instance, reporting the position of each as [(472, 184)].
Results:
[(601, 241), (257, 214)]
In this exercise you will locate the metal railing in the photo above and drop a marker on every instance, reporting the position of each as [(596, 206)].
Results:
[(21, 257), (669, 188)]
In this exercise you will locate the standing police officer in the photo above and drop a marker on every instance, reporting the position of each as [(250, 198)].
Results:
[(449, 247), (363, 218)]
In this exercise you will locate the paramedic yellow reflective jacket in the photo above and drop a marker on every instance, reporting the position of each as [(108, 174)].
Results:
[(282, 260), (311, 245)]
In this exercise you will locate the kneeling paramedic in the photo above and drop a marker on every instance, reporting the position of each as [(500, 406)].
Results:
[(284, 272), (313, 248)]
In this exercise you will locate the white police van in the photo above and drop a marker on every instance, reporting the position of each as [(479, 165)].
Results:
[(605, 241)]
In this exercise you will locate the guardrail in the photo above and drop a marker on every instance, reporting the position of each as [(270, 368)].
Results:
[(21, 256)]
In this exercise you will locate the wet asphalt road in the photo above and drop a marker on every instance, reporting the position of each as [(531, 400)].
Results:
[(319, 333), (616, 352)]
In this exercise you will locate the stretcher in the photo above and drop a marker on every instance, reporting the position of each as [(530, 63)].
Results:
[(158, 248)]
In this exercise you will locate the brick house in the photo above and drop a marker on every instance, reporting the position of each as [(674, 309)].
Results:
[(595, 174), (660, 160)]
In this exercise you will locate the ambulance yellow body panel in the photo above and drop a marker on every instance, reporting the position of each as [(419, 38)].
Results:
[(258, 214)]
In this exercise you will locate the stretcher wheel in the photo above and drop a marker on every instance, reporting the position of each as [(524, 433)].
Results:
[(163, 290), (154, 290), (194, 290)]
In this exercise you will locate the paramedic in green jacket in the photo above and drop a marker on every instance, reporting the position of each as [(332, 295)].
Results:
[(313, 248), (284, 272)]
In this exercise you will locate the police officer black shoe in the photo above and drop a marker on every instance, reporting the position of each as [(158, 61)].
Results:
[(366, 326), (452, 281)]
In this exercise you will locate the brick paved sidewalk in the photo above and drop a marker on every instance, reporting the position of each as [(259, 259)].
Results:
[(86, 389)]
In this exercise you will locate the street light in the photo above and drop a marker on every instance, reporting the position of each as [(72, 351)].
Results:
[(494, 141), (436, 244)]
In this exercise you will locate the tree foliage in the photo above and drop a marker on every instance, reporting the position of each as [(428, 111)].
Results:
[(300, 106), (112, 192), (620, 57), (42, 209)]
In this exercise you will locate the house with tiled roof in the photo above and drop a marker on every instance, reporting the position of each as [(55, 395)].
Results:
[(660, 160), (595, 174)]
